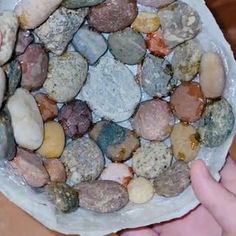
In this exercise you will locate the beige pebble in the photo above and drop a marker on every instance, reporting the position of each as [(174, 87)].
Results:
[(32, 13), (54, 140), (118, 172), (212, 75), (56, 170), (140, 190), (184, 142), (27, 122), (146, 22)]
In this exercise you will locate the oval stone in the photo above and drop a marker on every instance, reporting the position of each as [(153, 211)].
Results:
[(26, 119), (83, 160), (66, 75), (103, 196), (127, 46), (111, 82), (113, 15), (8, 31)]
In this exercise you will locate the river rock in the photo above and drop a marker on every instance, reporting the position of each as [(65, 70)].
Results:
[(66, 75), (8, 31), (90, 44), (58, 30), (111, 82), (32, 13), (80, 3), (2, 85), (155, 3), (26, 119)]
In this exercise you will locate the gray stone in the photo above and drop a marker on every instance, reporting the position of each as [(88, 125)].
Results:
[(80, 3), (90, 44)]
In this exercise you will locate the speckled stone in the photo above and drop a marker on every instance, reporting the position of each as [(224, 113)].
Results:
[(116, 142), (58, 30), (180, 23), (216, 123), (83, 160)]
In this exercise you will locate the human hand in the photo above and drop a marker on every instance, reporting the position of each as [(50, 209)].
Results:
[(216, 215)]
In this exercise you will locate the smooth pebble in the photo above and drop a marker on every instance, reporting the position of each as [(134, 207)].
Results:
[(54, 140), (24, 39), (140, 190), (72, 4), (26, 119), (66, 75), (90, 44), (155, 3)]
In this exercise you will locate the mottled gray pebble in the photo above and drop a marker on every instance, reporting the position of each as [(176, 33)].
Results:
[(157, 76), (186, 60), (216, 123), (90, 44), (103, 196), (7, 143), (83, 160), (65, 198), (173, 181), (179, 22), (111, 82), (127, 46), (72, 4), (66, 75), (58, 30)]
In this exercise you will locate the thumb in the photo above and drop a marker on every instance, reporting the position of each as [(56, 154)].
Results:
[(219, 201)]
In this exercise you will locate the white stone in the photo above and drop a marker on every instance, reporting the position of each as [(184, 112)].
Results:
[(27, 122), (32, 13), (8, 30)]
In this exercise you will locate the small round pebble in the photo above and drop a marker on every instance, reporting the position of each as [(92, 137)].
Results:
[(65, 198), (151, 159), (173, 181), (127, 46), (7, 142), (186, 60), (140, 190), (118, 172), (216, 123), (47, 107), (179, 23), (30, 166), (116, 142), (146, 22), (153, 120), (56, 170), (83, 160), (73, 4), (212, 75), (26, 119), (185, 142), (156, 44), (157, 76), (188, 102), (54, 140), (75, 118), (155, 3), (34, 66), (111, 82), (91, 44), (113, 15), (66, 75), (102, 196)]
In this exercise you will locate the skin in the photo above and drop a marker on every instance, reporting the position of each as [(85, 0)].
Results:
[(215, 216)]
